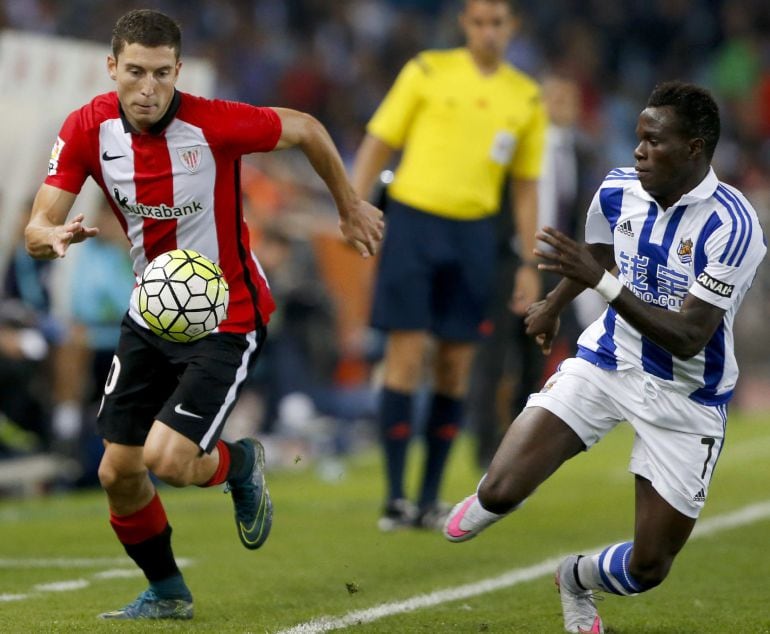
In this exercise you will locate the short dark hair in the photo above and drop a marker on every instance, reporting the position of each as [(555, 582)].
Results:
[(512, 6), (695, 109), (148, 28)]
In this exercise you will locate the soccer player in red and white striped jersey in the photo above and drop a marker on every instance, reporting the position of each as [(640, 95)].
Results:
[(169, 165)]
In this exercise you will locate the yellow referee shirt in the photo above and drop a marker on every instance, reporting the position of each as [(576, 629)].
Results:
[(460, 132)]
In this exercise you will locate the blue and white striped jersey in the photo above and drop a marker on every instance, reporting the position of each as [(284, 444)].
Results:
[(709, 244)]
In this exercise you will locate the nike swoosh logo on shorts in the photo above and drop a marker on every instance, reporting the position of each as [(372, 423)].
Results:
[(179, 410), (107, 157)]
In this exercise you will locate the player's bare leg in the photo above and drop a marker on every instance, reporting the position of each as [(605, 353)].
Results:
[(536, 444), (626, 568), (180, 462), (139, 521), (176, 459)]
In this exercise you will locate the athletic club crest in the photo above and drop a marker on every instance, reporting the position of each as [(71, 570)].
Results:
[(190, 157), (684, 251)]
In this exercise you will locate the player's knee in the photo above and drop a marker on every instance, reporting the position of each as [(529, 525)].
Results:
[(114, 479), (108, 475), (403, 375), (167, 468), (404, 367)]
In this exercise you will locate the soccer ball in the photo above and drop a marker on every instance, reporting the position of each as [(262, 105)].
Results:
[(182, 295)]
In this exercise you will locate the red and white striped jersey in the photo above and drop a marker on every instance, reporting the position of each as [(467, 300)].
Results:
[(176, 185)]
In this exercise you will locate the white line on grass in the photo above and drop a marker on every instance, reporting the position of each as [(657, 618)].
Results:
[(119, 573), (705, 528), (62, 586), (73, 584), (65, 562), (76, 562)]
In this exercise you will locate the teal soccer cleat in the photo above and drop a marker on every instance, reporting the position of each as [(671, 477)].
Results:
[(253, 507), (149, 605)]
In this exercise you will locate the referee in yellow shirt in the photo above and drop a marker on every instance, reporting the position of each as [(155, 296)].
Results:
[(463, 119)]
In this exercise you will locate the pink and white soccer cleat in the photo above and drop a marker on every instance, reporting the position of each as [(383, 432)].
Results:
[(467, 519)]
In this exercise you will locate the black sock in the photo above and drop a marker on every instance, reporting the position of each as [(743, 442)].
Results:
[(396, 432), (442, 427), (154, 556), (240, 463)]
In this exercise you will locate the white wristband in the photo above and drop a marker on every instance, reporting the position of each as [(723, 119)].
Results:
[(609, 287)]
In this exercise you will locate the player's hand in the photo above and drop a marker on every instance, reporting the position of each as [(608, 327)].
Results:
[(542, 324), (527, 287), (69, 233), (363, 227), (568, 258)]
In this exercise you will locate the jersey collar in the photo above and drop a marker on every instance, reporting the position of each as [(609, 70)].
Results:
[(702, 191), (162, 123)]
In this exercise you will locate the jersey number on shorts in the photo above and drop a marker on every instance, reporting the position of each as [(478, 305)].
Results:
[(710, 442), (112, 379)]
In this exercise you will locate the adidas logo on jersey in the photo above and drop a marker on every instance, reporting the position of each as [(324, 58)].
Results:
[(700, 496), (626, 229)]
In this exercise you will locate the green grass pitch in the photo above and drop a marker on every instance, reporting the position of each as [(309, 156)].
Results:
[(60, 564)]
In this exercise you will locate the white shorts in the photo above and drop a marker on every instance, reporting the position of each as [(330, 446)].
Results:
[(677, 441)]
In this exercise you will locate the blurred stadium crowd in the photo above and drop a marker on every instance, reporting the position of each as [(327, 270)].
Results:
[(335, 59)]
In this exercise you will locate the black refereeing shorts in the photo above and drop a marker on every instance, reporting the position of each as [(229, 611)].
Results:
[(191, 387), (434, 274)]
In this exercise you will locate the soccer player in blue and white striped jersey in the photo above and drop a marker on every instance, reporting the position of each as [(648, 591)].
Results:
[(686, 248)]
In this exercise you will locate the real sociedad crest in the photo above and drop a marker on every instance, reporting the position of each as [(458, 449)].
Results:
[(684, 251), (191, 157)]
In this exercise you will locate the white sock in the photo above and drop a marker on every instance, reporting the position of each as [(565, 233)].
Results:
[(477, 514), (588, 571)]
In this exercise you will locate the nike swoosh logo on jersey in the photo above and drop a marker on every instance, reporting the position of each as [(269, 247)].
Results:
[(107, 157), (179, 410)]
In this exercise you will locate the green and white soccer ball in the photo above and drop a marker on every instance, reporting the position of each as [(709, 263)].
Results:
[(183, 295)]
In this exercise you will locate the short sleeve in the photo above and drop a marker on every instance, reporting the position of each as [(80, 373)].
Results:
[(391, 121), (243, 129), (69, 161), (598, 229), (723, 281)]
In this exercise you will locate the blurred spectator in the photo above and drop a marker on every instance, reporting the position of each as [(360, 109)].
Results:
[(338, 58), (28, 330), (98, 284), (23, 350)]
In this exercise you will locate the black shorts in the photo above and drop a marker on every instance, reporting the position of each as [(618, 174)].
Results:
[(435, 273), (191, 387)]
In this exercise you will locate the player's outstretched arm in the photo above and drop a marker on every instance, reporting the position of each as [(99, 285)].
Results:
[(684, 333), (372, 157), (360, 222), (542, 318), (48, 234)]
